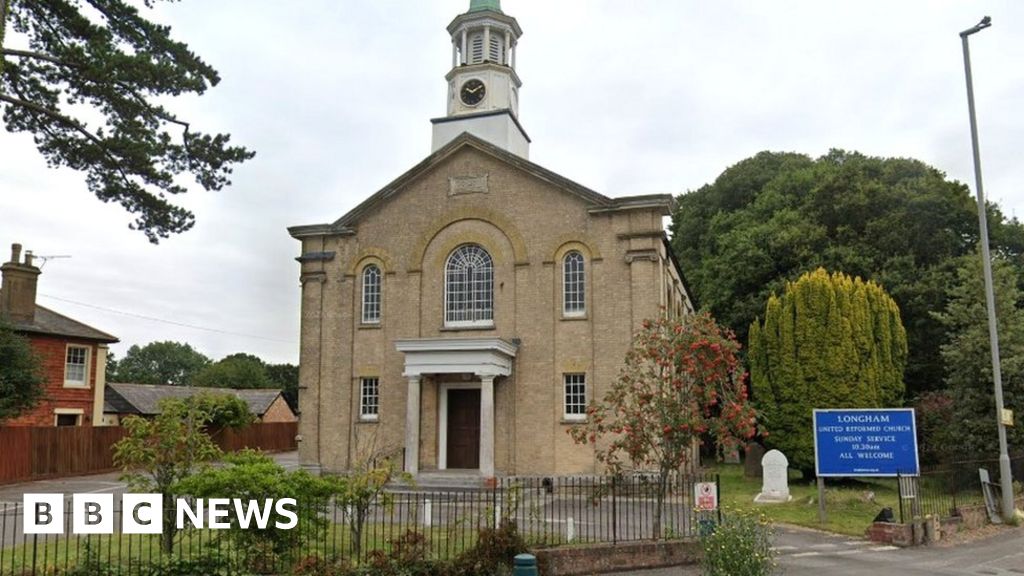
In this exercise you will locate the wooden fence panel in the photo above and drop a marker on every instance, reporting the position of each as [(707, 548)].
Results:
[(269, 437), (15, 454), (30, 453), (67, 451)]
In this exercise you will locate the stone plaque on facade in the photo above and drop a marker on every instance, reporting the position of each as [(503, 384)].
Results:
[(467, 185), (775, 482)]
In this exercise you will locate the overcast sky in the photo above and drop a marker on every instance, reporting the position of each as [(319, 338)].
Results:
[(624, 97)]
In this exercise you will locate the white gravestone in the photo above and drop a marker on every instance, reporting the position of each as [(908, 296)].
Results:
[(775, 485)]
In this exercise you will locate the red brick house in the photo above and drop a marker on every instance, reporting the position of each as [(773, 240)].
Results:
[(74, 355)]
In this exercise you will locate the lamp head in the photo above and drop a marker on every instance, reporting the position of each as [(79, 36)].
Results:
[(985, 23)]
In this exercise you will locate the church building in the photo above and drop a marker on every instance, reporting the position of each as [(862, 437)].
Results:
[(464, 315)]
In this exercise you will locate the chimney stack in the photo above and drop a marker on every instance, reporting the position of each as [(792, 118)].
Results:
[(18, 291)]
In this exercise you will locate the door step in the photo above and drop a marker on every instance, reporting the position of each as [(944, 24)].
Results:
[(443, 480)]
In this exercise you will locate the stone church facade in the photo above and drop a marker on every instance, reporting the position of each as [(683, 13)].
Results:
[(467, 312)]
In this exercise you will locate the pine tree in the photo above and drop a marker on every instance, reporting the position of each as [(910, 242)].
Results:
[(830, 341), (94, 82)]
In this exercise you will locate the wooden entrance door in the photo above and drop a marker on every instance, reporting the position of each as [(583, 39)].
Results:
[(463, 428)]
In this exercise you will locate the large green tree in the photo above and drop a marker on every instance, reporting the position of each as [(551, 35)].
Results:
[(830, 341), (286, 377), (235, 371), (90, 80), (971, 433), (21, 374), (167, 362), (770, 218)]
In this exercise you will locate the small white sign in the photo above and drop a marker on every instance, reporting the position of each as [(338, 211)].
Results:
[(705, 494)]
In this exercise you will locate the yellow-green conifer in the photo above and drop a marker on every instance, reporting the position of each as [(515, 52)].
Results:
[(830, 341)]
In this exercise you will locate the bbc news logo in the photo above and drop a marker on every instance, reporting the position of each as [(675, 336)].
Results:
[(144, 513)]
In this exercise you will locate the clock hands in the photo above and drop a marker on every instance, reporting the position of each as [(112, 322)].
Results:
[(472, 92)]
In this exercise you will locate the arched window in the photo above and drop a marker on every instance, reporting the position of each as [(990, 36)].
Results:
[(574, 284), (371, 295), (469, 287)]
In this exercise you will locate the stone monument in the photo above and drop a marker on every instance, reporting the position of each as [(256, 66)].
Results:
[(752, 461), (775, 483)]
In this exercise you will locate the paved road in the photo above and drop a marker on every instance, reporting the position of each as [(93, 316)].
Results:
[(807, 552)]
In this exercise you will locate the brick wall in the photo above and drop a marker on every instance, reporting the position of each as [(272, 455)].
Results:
[(891, 533), (279, 412), (602, 558), (967, 518), (52, 352)]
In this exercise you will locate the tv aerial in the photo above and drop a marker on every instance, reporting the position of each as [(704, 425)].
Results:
[(44, 259)]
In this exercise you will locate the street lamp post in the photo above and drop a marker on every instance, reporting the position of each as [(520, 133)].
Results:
[(1005, 475)]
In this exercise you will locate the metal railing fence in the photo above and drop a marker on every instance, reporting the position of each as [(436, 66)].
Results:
[(546, 511)]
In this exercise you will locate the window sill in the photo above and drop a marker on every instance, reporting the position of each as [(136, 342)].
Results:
[(573, 317), (369, 326), (573, 421), (368, 421), (467, 327), (77, 385)]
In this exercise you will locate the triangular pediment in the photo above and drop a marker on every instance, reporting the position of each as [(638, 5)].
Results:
[(594, 200)]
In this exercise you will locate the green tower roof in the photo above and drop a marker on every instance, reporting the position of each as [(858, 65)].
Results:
[(480, 5)]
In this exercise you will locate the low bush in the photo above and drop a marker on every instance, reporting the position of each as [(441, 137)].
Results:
[(252, 475), (208, 565), (409, 555), (495, 550), (739, 546)]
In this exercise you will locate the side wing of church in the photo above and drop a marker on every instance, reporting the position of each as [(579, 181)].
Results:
[(466, 313)]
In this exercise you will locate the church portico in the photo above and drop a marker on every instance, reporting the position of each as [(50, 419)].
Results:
[(466, 370)]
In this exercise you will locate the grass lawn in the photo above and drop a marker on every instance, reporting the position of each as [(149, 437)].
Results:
[(847, 502)]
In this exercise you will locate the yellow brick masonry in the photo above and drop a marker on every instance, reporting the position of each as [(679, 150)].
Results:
[(527, 224)]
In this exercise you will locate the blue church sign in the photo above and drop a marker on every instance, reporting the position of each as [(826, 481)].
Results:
[(865, 442)]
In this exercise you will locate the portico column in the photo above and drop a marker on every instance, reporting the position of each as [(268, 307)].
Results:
[(412, 426), (487, 426)]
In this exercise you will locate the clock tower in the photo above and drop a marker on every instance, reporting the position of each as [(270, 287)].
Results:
[(483, 87)]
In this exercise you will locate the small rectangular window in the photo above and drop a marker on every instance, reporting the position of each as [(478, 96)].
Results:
[(575, 396), (68, 419), (76, 366), (369, 398)]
